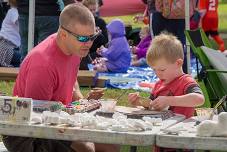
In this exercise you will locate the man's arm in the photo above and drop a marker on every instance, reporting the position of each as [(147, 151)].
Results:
[(76, 92)]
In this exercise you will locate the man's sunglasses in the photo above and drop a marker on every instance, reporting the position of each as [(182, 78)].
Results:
[(81, 38)]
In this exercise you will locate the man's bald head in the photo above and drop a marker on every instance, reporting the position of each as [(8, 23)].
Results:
[(76, 14)]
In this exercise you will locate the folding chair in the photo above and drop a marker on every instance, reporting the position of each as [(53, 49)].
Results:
[(198, 38), (215, 77)]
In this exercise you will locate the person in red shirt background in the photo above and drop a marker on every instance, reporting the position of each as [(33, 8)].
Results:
[(209, 20)]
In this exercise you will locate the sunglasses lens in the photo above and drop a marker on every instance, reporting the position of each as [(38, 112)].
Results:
[(83, 38)]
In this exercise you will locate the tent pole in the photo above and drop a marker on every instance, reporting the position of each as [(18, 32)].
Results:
[(187, 27), (31, 24)]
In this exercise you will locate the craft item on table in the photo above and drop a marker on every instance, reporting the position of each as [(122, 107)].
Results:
[(139, 112), (119, 122), (15, 109), (145, 102), (83, 105), (44, 105), (108, 105), (204, 114), (210, 128), (153, 121)]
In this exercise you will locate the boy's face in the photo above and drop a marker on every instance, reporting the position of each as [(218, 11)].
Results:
[(167, 71)]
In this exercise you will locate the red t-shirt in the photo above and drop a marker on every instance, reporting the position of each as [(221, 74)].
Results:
[(210, 19), (47, 73), (177, 87)]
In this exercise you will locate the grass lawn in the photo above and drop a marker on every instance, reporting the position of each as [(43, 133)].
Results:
[(114, 93)]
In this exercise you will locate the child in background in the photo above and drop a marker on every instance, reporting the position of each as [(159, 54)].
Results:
[(209, 20), (175, 89), (10, 38), (117, 57), (139, 51)]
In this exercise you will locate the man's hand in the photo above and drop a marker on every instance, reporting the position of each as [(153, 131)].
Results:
[(95, 93)]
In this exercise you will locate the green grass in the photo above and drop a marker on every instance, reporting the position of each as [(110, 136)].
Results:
[(128, 20), (222, 10)]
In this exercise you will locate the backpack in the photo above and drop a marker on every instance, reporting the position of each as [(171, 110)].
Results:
[(174, 9)]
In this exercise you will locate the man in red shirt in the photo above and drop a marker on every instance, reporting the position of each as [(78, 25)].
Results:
[(49, 72), (209, 20)]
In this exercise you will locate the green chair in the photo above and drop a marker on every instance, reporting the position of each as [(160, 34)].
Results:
[(215, 78), (208, 77), (198, 38)]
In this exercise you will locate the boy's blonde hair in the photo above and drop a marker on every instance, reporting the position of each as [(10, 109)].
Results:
[(89, 2), (165, 46)]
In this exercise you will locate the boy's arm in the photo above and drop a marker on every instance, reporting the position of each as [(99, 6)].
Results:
[(192, 98)]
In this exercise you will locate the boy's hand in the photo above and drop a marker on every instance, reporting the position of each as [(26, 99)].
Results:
[(133, 99), (160, 103)]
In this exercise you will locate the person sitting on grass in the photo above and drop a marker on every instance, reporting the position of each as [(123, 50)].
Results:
[(139, 51), (117, 56)]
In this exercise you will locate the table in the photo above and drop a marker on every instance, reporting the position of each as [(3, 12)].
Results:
[(187, 139), (62, 132)]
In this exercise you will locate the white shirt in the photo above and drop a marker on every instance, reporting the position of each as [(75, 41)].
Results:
[(10, 27)]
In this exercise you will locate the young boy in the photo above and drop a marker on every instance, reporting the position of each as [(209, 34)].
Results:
[(175, 89)]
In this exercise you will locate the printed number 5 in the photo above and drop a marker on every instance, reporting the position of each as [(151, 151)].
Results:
[(212, 4), (7, 106)]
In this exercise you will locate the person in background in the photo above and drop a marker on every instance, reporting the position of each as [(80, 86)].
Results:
[(10, 38), (139, 51), (3, 10), (209, 21), (117, 57), (49, 72), (102, 39), (46, 20)]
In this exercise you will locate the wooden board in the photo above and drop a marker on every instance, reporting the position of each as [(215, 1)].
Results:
[(84, 77), (8, 73), (138, 113)]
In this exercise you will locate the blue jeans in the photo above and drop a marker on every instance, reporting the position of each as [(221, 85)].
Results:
[(44, 26)]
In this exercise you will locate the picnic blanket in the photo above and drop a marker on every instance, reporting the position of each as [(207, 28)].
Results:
[(133, 77)]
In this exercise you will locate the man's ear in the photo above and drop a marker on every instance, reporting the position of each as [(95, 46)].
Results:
[(179, 62), (63, 34)]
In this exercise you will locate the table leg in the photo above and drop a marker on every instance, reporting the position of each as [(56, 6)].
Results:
[(133, 148)]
